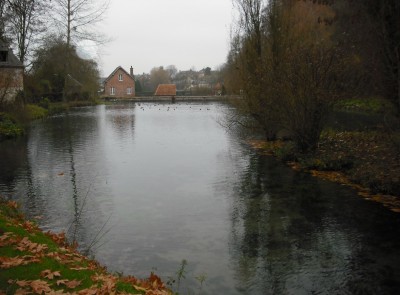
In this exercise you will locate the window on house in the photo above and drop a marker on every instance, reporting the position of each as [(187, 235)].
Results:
[(120, 77), (112, 91), (129, 90)]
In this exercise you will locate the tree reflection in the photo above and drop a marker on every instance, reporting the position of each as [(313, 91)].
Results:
[(13, 158), (281, 240), (75, 195)]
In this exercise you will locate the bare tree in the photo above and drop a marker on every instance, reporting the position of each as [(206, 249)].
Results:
[(251, 19), (26, 23), (77, 18), (3, 19), (172, 70)]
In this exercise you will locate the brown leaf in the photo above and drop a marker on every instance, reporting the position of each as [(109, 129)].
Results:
[(79, 268), (48, 274), (7, 262), (58, 238), (73, 284), (39, 286), (12, 204), (91, 291), (26, 245), (29, 226), (7, 239), (69, 284), (23, 283), (61, 282)]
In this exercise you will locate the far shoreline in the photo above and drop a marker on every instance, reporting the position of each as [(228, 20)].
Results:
[(178, 98)]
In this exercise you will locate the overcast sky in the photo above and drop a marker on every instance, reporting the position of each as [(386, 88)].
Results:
[(150, 33)]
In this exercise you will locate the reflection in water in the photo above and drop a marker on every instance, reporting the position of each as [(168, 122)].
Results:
[(77, 213), (122, 119), (12, 161), (293, 234), (173, 184)]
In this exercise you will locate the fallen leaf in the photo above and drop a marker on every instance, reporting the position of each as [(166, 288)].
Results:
[(91, 291), (40, 286), (79, 268), (12, 204), (7, 239), (61, 282), (48, 274), (7, 262), (69, 284), (29, 226), (23, 283)]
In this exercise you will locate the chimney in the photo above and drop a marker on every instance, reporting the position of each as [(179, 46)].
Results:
[(131, 71)]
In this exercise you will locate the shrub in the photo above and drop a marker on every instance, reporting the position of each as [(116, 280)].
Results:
[(9, 128)]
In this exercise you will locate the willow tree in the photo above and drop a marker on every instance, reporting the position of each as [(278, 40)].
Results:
[(292, 71), (246, 62)]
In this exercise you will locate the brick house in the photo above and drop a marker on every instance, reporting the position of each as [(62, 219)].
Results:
[(11, 74), (120, 84)]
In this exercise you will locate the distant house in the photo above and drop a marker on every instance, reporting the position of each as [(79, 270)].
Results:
[(120, 84), (11, 74), (166, 90)]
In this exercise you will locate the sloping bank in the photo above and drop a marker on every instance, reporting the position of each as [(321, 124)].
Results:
[(34, 262), (359, 148)]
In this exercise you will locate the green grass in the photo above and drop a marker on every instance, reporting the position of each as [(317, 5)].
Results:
[(34, 112), (127, 288), (23, 241), (11, 221), (367, 104)]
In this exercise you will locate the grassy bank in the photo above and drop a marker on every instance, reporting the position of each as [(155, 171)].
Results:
[(33, 262)]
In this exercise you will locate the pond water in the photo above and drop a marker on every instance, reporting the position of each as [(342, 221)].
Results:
[(144, 186)]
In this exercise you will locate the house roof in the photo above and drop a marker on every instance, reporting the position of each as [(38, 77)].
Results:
[(166, 90), (11, 61), (115, 71)]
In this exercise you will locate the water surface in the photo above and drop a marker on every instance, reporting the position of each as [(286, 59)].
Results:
[(145, 186)]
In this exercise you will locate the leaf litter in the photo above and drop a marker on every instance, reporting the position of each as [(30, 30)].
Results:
[(51, 281)]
